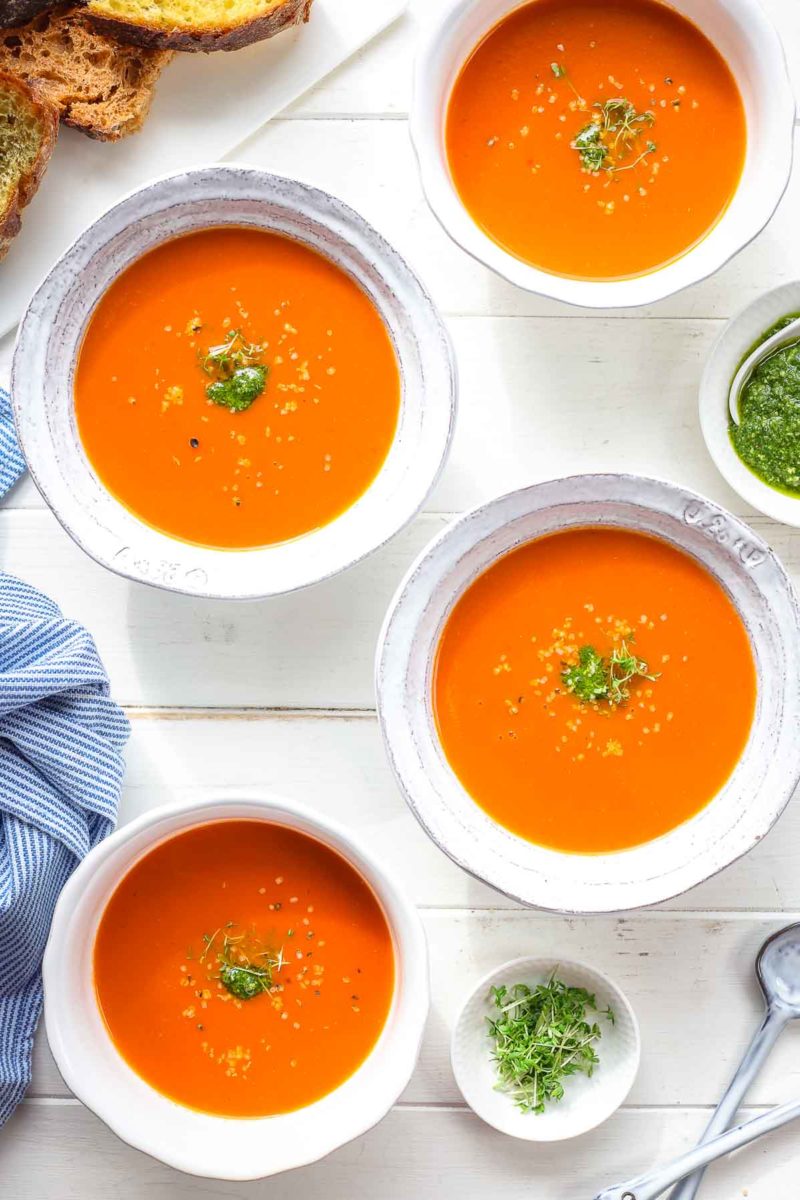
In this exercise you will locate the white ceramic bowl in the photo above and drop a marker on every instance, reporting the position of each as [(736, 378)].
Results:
[(221, 1147), (737, 338), (588, 1100), (50, 337), (739, 29), (734, 820)]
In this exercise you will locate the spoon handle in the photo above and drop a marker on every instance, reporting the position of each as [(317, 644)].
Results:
[(653, 1183), (777, 341), (766, 1034)]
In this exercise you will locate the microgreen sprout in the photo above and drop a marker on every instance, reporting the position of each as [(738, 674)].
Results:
[(541, 1037)]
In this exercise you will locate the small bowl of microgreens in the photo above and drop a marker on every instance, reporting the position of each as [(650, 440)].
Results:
[(545, 1049)]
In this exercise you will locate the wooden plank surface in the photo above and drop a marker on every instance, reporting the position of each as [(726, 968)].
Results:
[(313, 649), (336, 762), (278, 696), (543, 396), (59, 1151), (686, 974)]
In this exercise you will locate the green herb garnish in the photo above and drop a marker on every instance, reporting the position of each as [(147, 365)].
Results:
[(244, 970), (541, 1037), (560, 72), (592, 149), (595, 678), (588, 679), (235, 352), (239, 392), (613, 135), (245, 982), (239, 375)]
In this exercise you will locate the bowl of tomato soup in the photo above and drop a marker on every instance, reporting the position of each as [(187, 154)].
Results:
[(588, 691), (603, 152), (232, 386), (235, 987)]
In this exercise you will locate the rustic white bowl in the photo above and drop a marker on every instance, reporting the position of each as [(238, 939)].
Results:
[(734, 820), (736, 340), (50, 337), (222, 1147), (588, 1100), (744, 35)]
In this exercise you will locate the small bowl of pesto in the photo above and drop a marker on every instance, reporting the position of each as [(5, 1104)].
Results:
[(760, 455), (545, 1049)]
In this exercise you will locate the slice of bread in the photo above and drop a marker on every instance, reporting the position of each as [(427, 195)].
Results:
[(98, 85), (28, 131), (197, 24), (17, 12)]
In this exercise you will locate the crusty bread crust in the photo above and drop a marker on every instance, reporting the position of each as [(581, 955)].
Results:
[(232, 37), (19, 12), (99, 85), (47, 116)]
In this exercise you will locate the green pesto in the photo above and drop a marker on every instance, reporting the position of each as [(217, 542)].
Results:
[(767, 439), (245, 982), (239, 391)]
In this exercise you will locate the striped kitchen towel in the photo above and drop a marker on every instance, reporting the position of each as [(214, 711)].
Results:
[(61, 767)]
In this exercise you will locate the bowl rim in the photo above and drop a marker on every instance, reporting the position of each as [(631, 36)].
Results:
[(544, 963), (411, 984), (732, 343), (129, 567), (632, 292), (390, 666)]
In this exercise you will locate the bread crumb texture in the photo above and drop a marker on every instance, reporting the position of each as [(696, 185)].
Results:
[(99, 85), (27, 136)]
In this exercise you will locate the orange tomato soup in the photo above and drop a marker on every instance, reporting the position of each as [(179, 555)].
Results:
[(552, 166), (604, 773), (307, 937), (307, 447)]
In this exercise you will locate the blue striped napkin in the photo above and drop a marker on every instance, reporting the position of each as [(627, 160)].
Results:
[(61, 770)]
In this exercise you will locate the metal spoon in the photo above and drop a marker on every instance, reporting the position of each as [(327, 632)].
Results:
[(784, 337), (653, 1183), (778, 973)]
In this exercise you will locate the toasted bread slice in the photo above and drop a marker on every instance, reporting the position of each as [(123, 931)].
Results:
[(28, 131), (196, 24), (98, 85), (17, 12)]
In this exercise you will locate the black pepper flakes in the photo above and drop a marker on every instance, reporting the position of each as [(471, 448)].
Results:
[(194, 442)]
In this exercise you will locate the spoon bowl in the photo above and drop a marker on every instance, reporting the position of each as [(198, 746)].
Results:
[(778, 970), (789, 336)]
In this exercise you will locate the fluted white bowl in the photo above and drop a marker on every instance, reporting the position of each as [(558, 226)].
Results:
[(196, 1142), (744, 35)]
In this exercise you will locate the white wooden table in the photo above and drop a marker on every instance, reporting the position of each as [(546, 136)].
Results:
[(278, 696)]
